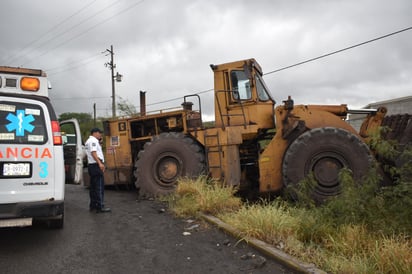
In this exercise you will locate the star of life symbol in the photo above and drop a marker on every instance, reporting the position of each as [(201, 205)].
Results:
[(20, 122)]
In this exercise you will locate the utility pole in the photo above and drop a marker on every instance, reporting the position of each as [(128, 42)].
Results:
[(117, 77), (94, 114)]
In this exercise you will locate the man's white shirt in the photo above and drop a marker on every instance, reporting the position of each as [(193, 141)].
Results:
[(92, 144)]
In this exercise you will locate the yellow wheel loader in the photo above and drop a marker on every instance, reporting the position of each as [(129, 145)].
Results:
[(252, 145)]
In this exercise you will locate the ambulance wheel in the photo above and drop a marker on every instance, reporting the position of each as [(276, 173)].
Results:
[(168, 157), (56, 223), (323, 152)]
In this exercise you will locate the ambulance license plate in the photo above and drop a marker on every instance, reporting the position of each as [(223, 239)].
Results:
[(16, 169)]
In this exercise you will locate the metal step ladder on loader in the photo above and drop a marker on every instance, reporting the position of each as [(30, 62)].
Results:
[(213, 151), (222, 155)]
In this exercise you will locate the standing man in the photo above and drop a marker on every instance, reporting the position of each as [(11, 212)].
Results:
[(95, 159)]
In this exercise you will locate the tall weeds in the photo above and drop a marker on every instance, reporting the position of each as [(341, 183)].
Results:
[(367, 229), (202, 195)]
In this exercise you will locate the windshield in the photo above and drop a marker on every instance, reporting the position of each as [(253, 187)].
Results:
[(240, 85), (262, 90)]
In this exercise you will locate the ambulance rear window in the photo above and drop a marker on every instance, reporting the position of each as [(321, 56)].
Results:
[(22, 123)]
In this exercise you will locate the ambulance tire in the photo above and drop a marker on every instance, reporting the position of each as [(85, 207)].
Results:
[(56, 223)]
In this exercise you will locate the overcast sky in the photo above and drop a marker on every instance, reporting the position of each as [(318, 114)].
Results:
[(165, 47)]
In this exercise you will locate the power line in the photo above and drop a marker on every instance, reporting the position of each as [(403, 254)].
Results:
[(21, 54), (72, 65), (71, 28), (108, 97), (87, 30), (80, 98), (315, 58), (66, 31), (338, 51), (296, 64), (178, 98)]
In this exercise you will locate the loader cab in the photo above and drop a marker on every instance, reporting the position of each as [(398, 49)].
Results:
[(241, 95)]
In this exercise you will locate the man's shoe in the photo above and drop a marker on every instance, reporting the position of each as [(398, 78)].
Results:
[(103, 210)]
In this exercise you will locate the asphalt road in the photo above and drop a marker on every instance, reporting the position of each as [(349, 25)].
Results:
[(136, 237)]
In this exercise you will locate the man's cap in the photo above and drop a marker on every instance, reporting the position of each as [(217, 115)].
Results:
[(96, 129)]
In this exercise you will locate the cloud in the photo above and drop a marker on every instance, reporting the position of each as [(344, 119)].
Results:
[(165, 48)]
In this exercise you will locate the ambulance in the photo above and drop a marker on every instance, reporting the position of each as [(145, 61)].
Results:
[(32, 174)]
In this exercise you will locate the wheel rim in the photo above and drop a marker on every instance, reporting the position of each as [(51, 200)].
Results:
[(168, 167), (325, 168)]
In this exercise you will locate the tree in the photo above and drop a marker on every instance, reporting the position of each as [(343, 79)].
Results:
[(81, 117), (85, 121), (125, 108)]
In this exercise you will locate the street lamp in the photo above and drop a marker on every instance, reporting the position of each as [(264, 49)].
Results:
[(118, 77)]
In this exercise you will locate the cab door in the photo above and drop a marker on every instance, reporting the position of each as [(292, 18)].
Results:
[(73, 150)]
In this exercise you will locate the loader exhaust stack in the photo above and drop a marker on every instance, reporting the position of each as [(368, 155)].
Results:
[(143, 103)]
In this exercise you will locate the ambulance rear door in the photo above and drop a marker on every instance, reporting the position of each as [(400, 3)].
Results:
[(74, 151)]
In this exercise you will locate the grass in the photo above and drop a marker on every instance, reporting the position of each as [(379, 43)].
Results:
[(202, 195), (366, 229)]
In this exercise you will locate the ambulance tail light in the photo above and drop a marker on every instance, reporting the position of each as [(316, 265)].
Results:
[(30, 83), (57, 135)]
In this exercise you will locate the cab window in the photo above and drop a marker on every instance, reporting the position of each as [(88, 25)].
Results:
[(240, 85), (262, 90), (22, 123)]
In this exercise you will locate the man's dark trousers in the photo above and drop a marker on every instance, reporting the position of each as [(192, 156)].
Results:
[(96, 191)]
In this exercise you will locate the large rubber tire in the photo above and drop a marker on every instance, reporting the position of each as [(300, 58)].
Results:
[(168, 157), (324, 152)]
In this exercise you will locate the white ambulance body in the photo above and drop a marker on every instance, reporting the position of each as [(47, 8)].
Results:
[(32, 177)]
